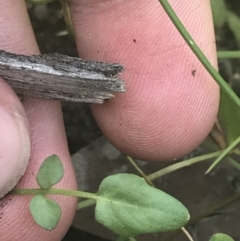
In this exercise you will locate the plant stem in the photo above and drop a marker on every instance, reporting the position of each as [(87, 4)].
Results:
[(224, 154), (65, 192), (194, 47), (182, 164), (85, 204), (163, 172), (139, 170), (228, 54), (187, 234)]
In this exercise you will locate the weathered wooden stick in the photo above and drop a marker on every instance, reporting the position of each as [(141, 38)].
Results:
[(60, 77)]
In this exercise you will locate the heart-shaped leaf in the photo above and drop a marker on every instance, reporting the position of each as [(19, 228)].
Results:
[(129, 206), (50, 172), (221, 237), (46, 212)]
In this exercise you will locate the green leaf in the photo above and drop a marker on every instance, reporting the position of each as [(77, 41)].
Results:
[(221, 237), (45, 212), (129, 206), (219, 12), (50, 172), (229, 115)]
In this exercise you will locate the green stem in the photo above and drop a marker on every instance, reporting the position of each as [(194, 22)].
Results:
[(163, 172), (90, 196), (224, 154), (85, 204), (228, 54), (65, 192), (139, 170), (183, 164), (194, 47)]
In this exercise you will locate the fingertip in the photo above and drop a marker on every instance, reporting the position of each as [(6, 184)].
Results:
[(171, 101)]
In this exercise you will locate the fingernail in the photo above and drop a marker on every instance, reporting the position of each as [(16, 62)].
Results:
[(14, 149)]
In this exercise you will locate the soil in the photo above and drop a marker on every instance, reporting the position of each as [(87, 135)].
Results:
[(52, 36)]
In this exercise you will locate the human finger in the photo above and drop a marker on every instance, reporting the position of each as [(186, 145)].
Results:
[(171, 101), (47, 137)]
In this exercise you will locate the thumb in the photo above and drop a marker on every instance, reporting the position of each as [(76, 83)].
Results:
[(14, 139)]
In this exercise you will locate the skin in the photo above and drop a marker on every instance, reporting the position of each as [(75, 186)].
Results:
[(165, 113)]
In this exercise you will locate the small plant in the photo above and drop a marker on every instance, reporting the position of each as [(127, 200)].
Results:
[(125, 203)]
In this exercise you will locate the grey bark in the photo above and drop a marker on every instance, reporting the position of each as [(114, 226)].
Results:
[(60, 77)]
